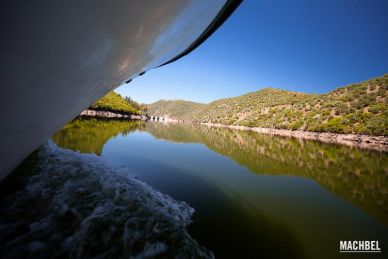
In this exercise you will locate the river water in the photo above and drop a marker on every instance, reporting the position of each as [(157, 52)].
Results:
[(254, 195)]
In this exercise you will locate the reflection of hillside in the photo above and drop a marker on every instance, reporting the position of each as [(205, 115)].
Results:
[(359, 176), (89, 136)]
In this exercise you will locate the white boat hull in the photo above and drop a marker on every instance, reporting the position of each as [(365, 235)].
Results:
[(58, 57)]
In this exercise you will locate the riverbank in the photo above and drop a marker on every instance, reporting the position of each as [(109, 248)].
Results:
[(90, 113), (379, 143)]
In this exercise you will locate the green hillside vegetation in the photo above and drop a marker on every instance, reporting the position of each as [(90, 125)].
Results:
[(115, 103), (174, 108), (360, 108), (138, 106)]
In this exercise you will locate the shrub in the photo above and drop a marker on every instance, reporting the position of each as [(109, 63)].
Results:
[(361, 103), (341, 108), (325, 112), (296, 125), (361, 129), (381, 92), (378, 108), (334, 125)]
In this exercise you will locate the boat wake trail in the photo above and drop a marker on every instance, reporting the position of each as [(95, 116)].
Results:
[(80, 206)]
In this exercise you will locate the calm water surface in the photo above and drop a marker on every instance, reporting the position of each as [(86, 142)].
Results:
[(254, 195)]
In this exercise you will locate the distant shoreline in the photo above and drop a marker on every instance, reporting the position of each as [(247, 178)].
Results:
[(102, 114), (379, 143)]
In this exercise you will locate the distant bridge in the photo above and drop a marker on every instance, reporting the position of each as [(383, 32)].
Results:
[(162, 118), (156, 118)]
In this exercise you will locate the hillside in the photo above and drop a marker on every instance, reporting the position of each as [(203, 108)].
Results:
[(174, 108), (115, 103), (360, 108)]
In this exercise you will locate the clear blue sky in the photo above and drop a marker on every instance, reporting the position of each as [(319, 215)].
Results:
[(307, 46)]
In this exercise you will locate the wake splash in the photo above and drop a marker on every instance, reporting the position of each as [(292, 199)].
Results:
[(80, 206)]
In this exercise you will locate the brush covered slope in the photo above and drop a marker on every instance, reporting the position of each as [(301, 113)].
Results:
[(115, 103), (177, 109), (360, 108)]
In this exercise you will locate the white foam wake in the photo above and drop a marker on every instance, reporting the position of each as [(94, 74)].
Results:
[(80, 206)]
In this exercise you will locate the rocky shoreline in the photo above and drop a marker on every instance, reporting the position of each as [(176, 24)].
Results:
[(89, 113), (379, 143)]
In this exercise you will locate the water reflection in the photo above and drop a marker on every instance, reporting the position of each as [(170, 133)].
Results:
[(254, 195), (359, 176), (90, 135)]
